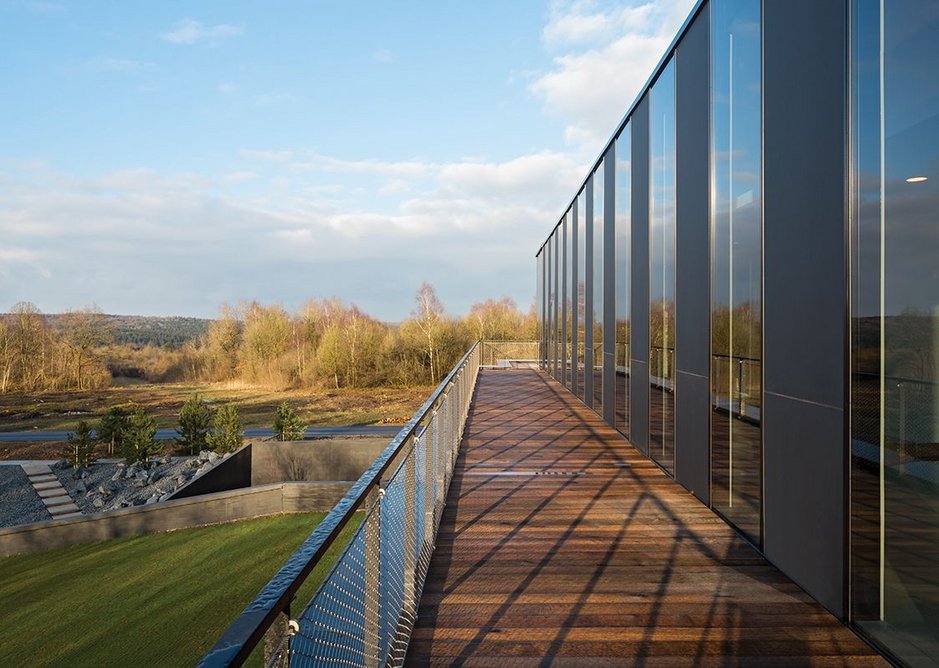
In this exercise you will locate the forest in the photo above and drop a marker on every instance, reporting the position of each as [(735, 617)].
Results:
[(325, 343)]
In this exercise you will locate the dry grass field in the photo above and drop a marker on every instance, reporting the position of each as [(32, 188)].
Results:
[(256, 406)]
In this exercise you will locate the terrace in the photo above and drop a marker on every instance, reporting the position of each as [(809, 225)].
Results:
[(507, 523)]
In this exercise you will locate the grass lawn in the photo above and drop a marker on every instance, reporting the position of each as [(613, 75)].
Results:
[(157, 600)]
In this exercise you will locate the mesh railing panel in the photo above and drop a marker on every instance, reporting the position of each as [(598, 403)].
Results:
[(364, 611)]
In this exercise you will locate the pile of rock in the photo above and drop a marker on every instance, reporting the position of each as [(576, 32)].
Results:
[(109, 486)]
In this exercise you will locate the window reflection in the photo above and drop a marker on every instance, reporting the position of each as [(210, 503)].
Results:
[(662, 270), (581, 288), (568, 293), (736, 263), (895, 327), (598, 296), (622, 235)]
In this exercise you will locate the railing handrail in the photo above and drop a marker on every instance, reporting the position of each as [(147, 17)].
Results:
[(243, 635)]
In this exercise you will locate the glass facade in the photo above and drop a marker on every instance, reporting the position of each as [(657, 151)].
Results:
[(887, 447), (597, 281), (622, 234), (581, 288), (895, 326), (736, 263), (662, 269)]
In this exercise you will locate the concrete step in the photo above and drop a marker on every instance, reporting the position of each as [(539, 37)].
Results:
[(68, 516), (51, 492), (45, 477), (51, 484), (37, 469), (65, 509), (56, 500)]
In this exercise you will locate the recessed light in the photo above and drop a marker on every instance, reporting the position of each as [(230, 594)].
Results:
[(917, 179)]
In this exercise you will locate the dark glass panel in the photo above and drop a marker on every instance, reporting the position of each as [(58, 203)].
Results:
[(736, 263), (597, 250), (895, 326), (662, 270), (622, 234)]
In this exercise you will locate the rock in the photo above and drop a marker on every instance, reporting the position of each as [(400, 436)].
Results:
[(98, 502), (212, 458), (165, 497), (130, 472), (81, 487), (116, 476), (152, 499), (84, 474), (202, 469), (101, 490)]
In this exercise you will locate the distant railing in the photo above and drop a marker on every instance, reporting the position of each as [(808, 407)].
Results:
[(508, 354), (363, 612)]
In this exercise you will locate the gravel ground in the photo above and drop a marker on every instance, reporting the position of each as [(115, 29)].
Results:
[(19, 503), (107, 486)]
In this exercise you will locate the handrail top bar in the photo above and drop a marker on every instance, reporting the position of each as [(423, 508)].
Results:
[(656, 71), (246, 631)]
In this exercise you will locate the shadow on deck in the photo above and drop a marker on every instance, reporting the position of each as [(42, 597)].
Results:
[(561, 544)]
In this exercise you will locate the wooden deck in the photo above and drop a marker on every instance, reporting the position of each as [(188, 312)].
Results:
[(600, 559)]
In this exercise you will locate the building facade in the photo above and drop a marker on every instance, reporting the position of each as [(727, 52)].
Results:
[(746, 285)]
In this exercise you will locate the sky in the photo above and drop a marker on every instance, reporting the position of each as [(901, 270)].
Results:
[(163, 158)]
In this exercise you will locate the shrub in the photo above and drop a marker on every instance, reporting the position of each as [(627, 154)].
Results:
[(227, 433), (287, 425), (195, 418), (81, 445)]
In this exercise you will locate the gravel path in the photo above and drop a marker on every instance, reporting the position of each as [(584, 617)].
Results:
[(19, 503)]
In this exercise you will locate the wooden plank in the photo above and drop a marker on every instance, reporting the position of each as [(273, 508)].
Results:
[(560, 541)]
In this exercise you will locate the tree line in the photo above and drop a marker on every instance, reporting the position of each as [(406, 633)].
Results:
[(325, 343)]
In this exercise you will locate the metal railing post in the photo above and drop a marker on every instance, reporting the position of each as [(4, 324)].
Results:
[(371, 651), (277, 641)]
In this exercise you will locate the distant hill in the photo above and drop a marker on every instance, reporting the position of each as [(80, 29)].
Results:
[(139, 330), (169, 331)]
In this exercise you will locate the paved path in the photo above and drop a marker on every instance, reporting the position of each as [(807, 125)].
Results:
[(561, 544), (251, 432)]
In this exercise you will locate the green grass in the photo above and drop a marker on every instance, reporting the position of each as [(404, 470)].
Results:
[(156, 600)]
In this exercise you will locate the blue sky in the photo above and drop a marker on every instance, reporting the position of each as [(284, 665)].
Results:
[(165, 157)]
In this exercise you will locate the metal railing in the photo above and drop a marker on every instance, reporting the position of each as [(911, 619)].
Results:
[(505, 354), (364, 611)]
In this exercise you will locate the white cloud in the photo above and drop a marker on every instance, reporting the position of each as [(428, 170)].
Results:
[(190, 31), (383, 56), (610, 53)]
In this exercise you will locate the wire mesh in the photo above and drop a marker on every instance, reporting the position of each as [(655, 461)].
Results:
[(364, 611)]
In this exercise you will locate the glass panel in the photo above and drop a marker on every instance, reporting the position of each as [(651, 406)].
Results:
[(555, 286), (562, 301), (568, 291), (581, 288), (549, 286), (597, 251), (736, 263), (895, 326), (539, 300), (622, 235), (662, 270)]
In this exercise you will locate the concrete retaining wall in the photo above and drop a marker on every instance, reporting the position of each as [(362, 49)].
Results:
[(227, 506)]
